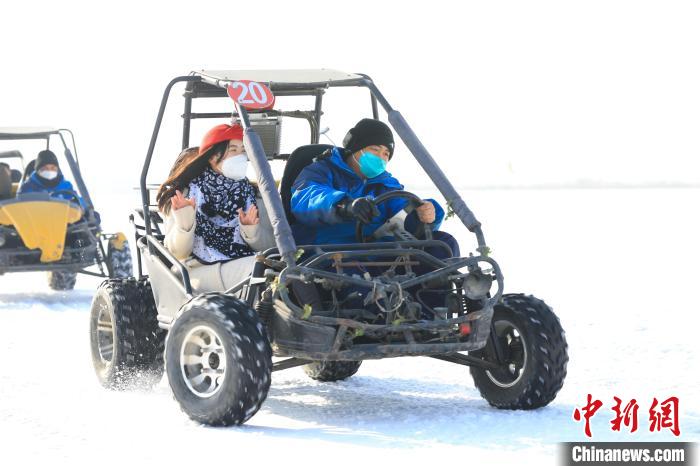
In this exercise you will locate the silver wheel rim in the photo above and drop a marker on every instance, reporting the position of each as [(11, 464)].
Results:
[(203, 361), (105, 335), (512, 333)]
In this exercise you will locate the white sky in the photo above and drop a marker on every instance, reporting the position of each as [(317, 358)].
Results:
[(531, 92)]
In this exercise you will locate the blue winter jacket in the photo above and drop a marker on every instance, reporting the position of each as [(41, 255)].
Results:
[(36, 184), (322, 184)]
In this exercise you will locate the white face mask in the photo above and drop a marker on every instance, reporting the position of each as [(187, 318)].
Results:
[(235, 167), (48, 174)]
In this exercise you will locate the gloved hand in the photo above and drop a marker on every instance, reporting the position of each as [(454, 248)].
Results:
[(362, 209)]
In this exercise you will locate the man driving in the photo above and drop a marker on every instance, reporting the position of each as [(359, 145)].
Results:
[(47, 177), (330, 195)]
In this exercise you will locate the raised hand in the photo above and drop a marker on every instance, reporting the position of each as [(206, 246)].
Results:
[(250, 217), (178, 201)]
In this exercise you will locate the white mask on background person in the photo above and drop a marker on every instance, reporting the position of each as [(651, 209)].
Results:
[(48, 174), (235, 167)]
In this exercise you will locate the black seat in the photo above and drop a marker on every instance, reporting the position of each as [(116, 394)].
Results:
[(16, 175), (28, 170), (5, 182), (297, 161)]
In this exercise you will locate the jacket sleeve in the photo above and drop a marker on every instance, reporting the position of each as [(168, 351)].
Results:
[(179, 232), (314, 197), (260, 236)]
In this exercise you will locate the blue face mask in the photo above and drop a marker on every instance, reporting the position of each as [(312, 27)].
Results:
[(371, 165)]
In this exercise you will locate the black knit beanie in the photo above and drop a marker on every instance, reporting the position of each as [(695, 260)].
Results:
[(45, 157), (369, 132)]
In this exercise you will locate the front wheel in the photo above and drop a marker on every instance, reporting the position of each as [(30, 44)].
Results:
[(534, 355), (119, 261), (218, 360)]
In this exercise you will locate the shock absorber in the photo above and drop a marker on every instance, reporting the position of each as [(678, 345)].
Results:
[(265, 308)]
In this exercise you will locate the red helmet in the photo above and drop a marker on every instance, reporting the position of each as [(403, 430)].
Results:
[(218, 134)]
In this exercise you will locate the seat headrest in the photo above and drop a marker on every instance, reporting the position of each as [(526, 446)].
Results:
[(298, 160), (15, 175)]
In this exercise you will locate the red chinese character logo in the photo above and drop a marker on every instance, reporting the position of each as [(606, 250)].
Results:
[(626, 416), (666, 417), (588, 412)]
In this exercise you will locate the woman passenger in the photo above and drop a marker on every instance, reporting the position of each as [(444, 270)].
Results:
[(211, 213)]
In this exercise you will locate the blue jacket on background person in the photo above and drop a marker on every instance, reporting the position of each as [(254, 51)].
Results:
[(323, 184), (36, 184), (47, 178)]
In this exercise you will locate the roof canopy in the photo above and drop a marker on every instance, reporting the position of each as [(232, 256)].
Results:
[(26, 132), (319, 77), (280, 82)]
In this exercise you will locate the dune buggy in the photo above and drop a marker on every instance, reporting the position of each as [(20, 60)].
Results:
[(219, 346), (53, 232)]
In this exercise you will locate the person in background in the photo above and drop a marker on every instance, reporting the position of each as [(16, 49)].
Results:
[(47, 177)]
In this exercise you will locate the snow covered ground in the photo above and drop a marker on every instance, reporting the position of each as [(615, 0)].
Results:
[(619, 266)]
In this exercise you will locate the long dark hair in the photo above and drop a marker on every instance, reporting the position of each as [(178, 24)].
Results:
[(188, 166)]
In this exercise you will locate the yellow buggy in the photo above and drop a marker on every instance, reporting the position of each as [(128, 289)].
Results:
[(46, 231)]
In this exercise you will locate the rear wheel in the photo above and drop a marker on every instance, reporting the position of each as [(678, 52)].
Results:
[(126, 342), (534, 355), (62, 281), (331, 371), (218, 360)]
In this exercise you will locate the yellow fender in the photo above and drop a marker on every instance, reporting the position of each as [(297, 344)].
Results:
[(118, 240), (41, 224)]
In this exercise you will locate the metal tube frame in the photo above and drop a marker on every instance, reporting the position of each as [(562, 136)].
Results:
[(75, 170), (184, 274), (316, 135), (396, 120), (187, 117), (154, 136)]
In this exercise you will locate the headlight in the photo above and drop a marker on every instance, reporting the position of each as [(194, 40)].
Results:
[(2, 239)]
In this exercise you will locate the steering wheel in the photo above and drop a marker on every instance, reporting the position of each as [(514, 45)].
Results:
[(73, 197), (395, 225)]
